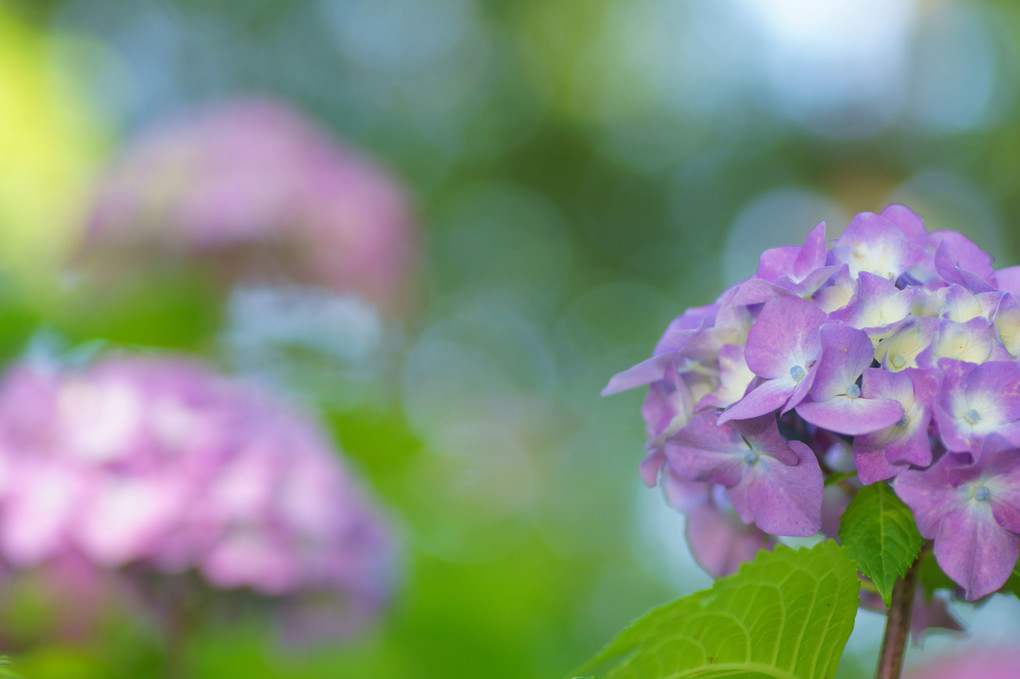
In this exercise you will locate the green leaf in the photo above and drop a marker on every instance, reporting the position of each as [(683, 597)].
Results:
[(880, 533), (786, 615)]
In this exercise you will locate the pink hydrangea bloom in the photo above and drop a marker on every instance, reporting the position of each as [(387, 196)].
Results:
[(255, 191), (161, 465)]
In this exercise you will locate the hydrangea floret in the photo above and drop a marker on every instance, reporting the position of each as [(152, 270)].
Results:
[(888, 355)]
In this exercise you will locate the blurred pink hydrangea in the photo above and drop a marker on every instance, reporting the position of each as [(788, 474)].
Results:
[(163, 466), (975, 663), (254, 191)]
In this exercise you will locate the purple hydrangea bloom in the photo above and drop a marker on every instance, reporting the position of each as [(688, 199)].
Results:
[(893, 350), (252, 189), (164, 466)]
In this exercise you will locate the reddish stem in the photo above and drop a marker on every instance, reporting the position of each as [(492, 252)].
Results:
[(897, 626)]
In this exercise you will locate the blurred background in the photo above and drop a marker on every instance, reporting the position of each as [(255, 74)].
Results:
[(438, 227)]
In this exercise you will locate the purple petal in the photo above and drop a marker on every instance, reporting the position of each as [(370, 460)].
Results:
[(763, 435), (976, 401), (845, 415), (810, 283), (877, 303), (719, 542), (1000, 460), (784, 499), (682, 328), (932, 493), (734, 379), (776, 262), (1009, 280), (975, 551), (812, 255), (651, 466), (900, 350), (767, 397), (874, 244), (907, 440), (971, 342), (707, 451), (643, 373), (872, 465), (907, 221), (961, 255), (667, 407), (784, 336), (681, 494), (758, 291), (846, 352), (1007, 324), (838, 293), (962, 305), (801, 391)]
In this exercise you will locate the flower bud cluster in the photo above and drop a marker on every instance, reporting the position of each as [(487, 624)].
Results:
[(161, 465), (893, 342)]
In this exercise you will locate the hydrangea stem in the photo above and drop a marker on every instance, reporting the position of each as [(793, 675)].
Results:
[(897, 626)]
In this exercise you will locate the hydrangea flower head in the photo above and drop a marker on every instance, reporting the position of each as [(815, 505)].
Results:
[(161, 465), (250, 189), (894, 344)]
